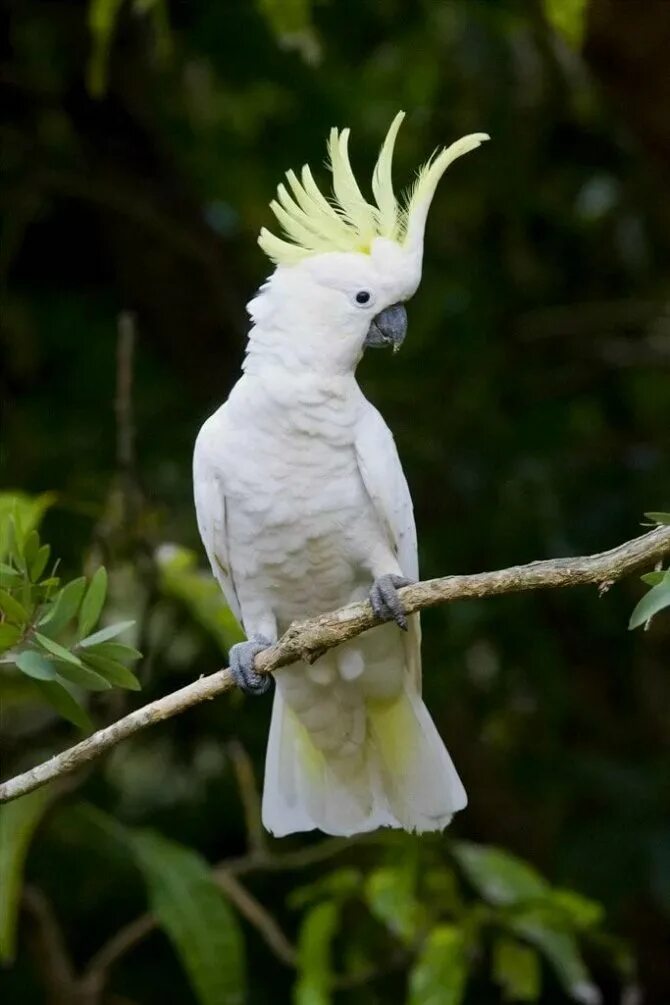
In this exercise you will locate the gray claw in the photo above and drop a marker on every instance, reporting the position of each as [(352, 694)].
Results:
[(385, 602), (241, 658)]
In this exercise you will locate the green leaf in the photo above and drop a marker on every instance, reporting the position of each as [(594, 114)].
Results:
[(442, 890), (499, 877), (110, 632), (439, 975), (580, 913), (31, 547), (561, 951), (196, 916), (662, 518), (102, 17), (336, 885), (57, 650), (64, 606), (18, 823), (516, 968), (114, 651), (57, 695), (12, 609), (82, 676), (15, 542), (317, 931), (33, 664), (567, 17), (9, 636), (29, 511), (653, 578), (9, 571), (113, 671), (93, 603), (39, 563), (389, 893), (656, 600), (71, 667)]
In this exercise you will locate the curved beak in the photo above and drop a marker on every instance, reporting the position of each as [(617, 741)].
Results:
[(388, 328)]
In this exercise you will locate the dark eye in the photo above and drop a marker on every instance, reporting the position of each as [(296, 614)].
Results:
[(362, 297)]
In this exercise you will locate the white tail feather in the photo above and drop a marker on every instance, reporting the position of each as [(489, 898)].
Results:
[(402, 776)]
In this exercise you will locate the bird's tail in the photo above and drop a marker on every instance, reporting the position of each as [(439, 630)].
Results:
[(398, 775)]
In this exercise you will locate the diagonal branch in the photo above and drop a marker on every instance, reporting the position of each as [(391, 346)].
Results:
[(92, 983), (307, 640)]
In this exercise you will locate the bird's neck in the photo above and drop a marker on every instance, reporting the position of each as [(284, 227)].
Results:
[(321, 359)]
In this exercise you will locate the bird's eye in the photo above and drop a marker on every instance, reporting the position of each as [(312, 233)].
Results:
[(363, 297)]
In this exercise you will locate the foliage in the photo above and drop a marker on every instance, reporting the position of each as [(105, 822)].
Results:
[(46, 629), (196, 916), (493, 907), (18, 822), (448, 911), (142, 145), (658, 596)]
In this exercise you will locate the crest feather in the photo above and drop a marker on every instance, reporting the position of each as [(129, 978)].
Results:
[(382, 182), (347, 193), (312, 224)]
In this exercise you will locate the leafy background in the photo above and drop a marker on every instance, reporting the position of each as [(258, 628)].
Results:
[(530, 404)]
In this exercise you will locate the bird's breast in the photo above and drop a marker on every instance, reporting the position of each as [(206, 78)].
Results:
[(298, 513)]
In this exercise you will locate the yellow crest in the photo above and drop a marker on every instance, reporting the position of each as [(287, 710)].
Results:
[(314, 224)]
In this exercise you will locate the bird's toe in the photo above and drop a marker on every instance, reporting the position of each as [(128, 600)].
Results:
[(385, 602), (241, 657)]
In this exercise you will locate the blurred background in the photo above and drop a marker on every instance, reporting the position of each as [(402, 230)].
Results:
[(531, 406)]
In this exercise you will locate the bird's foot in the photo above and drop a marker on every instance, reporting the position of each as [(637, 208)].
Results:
[(241, 658), (385, 602)]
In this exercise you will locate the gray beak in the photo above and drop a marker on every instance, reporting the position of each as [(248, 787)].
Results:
[(388, 328)]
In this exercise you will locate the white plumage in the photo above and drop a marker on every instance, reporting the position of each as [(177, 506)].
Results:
[(302, 504)]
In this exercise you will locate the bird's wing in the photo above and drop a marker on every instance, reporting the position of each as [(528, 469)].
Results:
[(385, 483), (210, 508)]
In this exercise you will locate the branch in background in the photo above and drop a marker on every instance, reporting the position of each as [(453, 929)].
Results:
[(307, 640), (257, 915), (250, 796), (51, 955), (91, 986), (123, 403)]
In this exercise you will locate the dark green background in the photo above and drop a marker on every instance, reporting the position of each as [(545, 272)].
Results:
[(530, 403)]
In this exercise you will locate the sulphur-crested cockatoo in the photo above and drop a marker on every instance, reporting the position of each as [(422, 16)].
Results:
[(303, 507)]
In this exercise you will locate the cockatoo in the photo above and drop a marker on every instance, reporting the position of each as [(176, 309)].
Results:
[(302, 506)]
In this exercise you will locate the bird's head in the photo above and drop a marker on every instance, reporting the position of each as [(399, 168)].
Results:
[(347, 267)]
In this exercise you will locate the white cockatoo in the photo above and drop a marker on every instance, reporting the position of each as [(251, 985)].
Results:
[(303, 506)]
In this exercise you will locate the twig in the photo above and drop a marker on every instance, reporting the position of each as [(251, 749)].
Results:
[(301, 858), (123, 403), (306, 639), (256, 915), (50, 951), (96, 974), (94, 978), (251, 802)]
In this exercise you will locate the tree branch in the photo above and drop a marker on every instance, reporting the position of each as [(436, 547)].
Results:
[(250, 797), (51, 953), (257, 915), (93, 981), (307, 640)]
